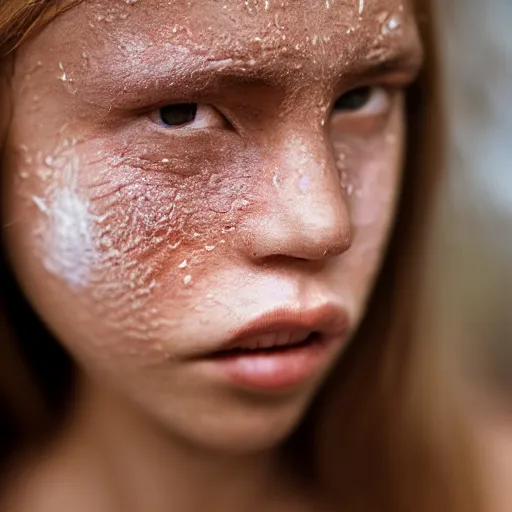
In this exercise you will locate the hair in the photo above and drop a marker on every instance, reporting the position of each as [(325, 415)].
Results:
[(376, 437)]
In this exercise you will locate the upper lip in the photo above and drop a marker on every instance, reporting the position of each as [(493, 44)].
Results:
[(288, 326)]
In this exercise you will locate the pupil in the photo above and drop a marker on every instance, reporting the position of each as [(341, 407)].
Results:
[(177, 115), (354, 100)]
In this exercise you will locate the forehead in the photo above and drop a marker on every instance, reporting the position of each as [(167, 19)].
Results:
[(240, 28), (250, 15)]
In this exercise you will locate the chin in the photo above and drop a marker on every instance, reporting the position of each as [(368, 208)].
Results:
[(262, 433), (241, 426)]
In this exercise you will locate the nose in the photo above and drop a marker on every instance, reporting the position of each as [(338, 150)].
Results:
[(304, 214)]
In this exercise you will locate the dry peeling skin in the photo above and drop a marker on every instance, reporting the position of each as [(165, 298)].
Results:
[(141, 244)]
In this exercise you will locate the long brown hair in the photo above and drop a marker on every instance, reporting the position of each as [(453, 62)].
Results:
[(371, 438)]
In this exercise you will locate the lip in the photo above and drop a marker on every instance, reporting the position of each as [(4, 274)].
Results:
[(327, 320), (307, 339)]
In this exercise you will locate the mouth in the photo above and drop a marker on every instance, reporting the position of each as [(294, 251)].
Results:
[(280, 349), (273, 342)]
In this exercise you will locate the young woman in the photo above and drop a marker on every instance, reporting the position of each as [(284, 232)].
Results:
[(197, 199)]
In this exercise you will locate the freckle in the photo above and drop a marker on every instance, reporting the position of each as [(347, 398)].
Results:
[(187, 280), (183, 264)]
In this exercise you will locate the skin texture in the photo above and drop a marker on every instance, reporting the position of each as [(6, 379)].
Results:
[(143, 246)]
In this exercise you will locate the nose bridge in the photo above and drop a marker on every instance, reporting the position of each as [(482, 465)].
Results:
[(306, 213), (312, 194), (306, 168)]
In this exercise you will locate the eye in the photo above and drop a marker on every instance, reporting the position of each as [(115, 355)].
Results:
[(188, 115), (364, 100), (178, 115)]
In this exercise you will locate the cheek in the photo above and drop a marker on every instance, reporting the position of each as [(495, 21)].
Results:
[(370, 173), (132, 241)]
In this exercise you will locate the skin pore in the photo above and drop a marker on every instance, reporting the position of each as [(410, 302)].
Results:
[(146, 235)]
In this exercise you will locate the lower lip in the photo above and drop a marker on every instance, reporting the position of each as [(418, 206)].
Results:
[(275, 370)]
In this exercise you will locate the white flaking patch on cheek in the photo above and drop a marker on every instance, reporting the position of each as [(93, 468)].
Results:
[(68, 236), (69, 240)]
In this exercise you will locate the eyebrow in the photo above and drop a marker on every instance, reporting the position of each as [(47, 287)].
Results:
[(403, 55), (197, 75)]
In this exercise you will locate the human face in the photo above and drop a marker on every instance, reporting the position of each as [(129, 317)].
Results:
[(193, 176)]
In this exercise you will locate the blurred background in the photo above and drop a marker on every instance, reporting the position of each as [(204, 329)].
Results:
[(471, 260)]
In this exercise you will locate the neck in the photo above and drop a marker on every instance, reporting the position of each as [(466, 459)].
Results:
[(150, 469)]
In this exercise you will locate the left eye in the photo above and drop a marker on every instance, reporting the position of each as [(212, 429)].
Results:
[(372, 100)]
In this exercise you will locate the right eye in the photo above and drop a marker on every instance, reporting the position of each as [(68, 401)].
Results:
[(189, 115)]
